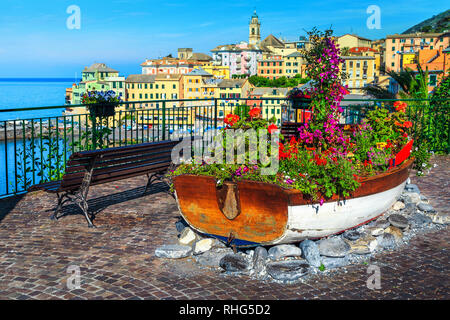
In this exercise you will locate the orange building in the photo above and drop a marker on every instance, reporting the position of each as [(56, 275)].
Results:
[(398, 45), (271, 67), (437, 62)]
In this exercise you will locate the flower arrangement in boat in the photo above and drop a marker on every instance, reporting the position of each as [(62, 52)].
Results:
[(326, 159)]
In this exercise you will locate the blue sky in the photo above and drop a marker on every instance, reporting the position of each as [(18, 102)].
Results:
[(35, 42)]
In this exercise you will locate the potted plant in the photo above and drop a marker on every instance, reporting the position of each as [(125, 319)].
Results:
[(101, 104)]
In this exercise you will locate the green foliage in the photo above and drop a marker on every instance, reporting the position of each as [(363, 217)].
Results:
[(281, 82)]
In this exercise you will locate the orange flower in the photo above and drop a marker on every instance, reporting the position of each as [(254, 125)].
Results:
[(254, 112)]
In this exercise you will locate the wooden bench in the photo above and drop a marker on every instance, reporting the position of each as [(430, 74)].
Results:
[(289, 130), (88, 168)]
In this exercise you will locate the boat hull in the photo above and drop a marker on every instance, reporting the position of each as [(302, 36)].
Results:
[(268, 214)]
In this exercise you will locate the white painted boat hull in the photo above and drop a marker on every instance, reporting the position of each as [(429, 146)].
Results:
[(315, 221)]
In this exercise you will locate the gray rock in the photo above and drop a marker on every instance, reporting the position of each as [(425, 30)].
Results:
[(425, 207), (287, 270), (173, 251), (424, 198), (382, 223), (440, 218), (212, 258), (398, 221), (418, 220), (386, 241), (180, 225), (310, 251), (234, 263), (259, 259), (352, 235), (331, 263), (412, 188), (411, 197), (284, 250), (333, 247)]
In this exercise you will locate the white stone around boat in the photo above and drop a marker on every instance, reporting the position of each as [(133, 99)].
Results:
[(412, 197), (212, 258), (398, 221), (412, 188), (396, 232), (331, 263), (425, 207), (173, 251), (418, 220), (259, 259), (234, 263), (333, 247), (284, 250), (202, 246), (375, 231), (287, 270), (399, 205), (386, 241), (187, 236), (310, 251)]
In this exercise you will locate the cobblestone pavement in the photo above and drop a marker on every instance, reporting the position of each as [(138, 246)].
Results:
[(117, 260)]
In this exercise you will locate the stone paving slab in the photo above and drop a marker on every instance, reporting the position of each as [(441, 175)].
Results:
[(117, 261)]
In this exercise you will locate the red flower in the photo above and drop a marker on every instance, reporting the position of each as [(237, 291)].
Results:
[(400, 106), (254, 112), (407, 124), (405, 135), (272, 128), (231, 119)]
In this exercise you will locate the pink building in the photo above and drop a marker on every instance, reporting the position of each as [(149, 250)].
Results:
[(398, 45)]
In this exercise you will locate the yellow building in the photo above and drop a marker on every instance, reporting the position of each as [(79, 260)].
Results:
[(217, 71), (352, 40), (194, 85), (144, 87), (271, 103), (227, 92), (360, 71), (293, 65)]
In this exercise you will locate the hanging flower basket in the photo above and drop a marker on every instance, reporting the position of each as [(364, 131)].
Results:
[(101, 104), (102, 110)]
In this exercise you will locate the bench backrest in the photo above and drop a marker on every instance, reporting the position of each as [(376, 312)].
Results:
[(290, 129), (113, 164)]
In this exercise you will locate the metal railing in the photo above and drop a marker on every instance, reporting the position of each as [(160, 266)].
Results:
[(36, 149)]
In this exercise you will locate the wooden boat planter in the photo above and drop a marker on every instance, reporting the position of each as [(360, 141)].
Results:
[(249, 213)]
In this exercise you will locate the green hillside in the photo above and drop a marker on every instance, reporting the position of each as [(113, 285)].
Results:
[(437, 23)]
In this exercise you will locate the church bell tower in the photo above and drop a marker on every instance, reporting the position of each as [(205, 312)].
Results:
[(254, 30)]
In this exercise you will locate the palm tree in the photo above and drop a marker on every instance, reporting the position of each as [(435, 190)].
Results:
[(412, 85)]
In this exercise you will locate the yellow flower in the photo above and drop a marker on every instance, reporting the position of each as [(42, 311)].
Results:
[(381, 145)]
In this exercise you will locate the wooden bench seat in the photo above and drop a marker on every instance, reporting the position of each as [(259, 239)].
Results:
[(88, 168)]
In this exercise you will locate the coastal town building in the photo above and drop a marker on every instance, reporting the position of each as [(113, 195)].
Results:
[(435, 61), (98, 77), (402, 48), (271, 103), (168, 65), (254, 32), (360, 72), (271, 67), (143, 87), (368, 52), (352, 40)]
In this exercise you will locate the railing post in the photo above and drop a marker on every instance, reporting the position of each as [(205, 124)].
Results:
[(215, 113), (164, 120)]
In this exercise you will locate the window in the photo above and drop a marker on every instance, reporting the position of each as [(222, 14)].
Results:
[(174, 86), (392, 64), (162, 86), (393, 48), (393, 40), (433, 80), (145, 86)]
